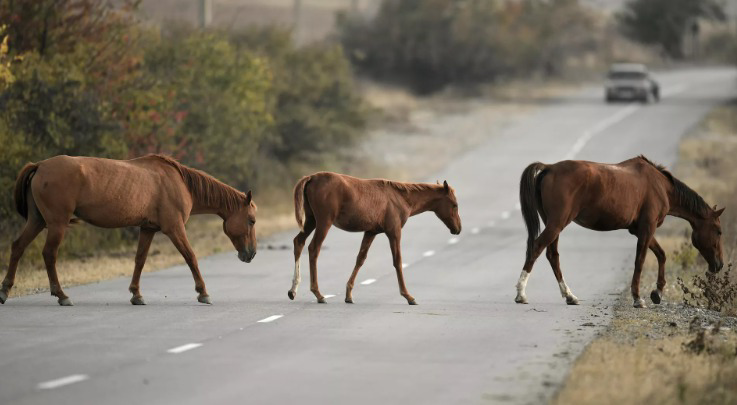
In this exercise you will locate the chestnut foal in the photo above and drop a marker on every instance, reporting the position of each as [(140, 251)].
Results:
[(370, 206), (635, 195), (155, 193)]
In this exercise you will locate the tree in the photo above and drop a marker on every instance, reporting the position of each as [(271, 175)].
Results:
[(664, 23)]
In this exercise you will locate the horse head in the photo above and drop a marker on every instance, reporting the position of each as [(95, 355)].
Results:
[(447, 210), (240, 227), (707, 239)]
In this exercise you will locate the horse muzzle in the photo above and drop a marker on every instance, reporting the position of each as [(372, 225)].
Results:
[(716, 267), (246, 255)]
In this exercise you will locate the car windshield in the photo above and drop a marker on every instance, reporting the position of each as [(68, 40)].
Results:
[(627, 75)]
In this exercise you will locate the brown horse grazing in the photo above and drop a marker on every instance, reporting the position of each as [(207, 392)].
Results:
[(370, 206), (635, 195), (155, 193)]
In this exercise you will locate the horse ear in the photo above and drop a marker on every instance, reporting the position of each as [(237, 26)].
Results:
[(437, 181), (717, 213), (445, 186), (248, 197)]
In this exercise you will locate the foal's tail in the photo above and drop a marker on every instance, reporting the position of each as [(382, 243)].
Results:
[(21, 188), (528, 198), (299, 201)]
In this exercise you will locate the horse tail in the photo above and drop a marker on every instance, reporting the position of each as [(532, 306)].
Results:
[(528, 198), (21, 188), (299, 201)]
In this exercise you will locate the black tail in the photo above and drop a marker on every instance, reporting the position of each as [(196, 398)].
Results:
[(21, 188), (528, 198)]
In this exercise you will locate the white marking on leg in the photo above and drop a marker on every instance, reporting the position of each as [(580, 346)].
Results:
[(297, 277), (521, 286), (368, 281), (60, 382), (272, 318), (428, 253), (184, 348), (566, 292)]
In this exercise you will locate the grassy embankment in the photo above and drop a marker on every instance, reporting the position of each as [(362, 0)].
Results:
[(671, 354)]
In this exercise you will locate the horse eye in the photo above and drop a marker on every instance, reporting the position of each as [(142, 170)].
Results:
[(252, 222)]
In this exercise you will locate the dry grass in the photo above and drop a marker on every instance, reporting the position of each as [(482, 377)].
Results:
[(628, 366)]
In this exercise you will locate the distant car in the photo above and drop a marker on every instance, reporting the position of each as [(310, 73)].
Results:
[(631, 81)]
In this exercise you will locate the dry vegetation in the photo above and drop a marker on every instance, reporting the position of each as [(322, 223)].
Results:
[(671, 354)]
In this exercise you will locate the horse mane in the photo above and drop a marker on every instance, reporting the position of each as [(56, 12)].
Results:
[(205, 189), (410, 186), (685, 196)]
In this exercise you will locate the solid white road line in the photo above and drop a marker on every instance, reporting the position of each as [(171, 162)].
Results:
[(368, 281), (475, 230), (184, 348), (272, 318), (506, 214), (453, 241), (428, 253), (60, 382), (599, 127)]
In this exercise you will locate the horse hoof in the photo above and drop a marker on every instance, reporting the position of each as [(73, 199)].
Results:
[(412, 302), (655, 297), (291, 295), (571, 300), (521, 299), (322, 300), (3, 297), (349, 300), (65, 302), (138, 301), (205, 299), (639, 303)]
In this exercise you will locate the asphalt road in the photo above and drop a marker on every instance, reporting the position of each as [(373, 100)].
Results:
[(466, 341)]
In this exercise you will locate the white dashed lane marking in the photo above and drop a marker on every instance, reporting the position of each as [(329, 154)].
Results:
[(518, 206), (368, 281), (60, 382), (428, 253), (405, 265), (272, 318), (452, 241), (506, 215), (475, 230), (184, 348), (329, 296)]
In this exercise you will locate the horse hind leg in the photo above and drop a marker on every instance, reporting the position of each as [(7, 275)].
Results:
[(34, 226), (548, 235), (554, 258), (144, 242), (50, 253), (321, 231), (299, 244)]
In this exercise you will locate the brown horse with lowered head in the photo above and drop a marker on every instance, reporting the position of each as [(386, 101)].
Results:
[(635, 195), (370, 206), (155, 193)]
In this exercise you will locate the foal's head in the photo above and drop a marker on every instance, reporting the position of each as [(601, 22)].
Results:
[(707, 238), (447, 210), (240, 226)]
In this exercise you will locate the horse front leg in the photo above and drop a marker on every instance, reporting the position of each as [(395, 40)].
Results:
[(368, 238), (144, 243), (656, 295), (178, 237), (644, 236), (394, 242)]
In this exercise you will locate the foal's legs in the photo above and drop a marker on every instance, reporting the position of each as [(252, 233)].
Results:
[(551, 232), (554, 259), (50, 252), (299, 244), (33, 227), (644, 238), (178, 237), (321, 231), (656, 295), (365, 245), (144, 242), (394, 243)]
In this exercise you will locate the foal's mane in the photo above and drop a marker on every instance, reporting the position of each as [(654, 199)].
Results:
[(686, 197), (205, 189)]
